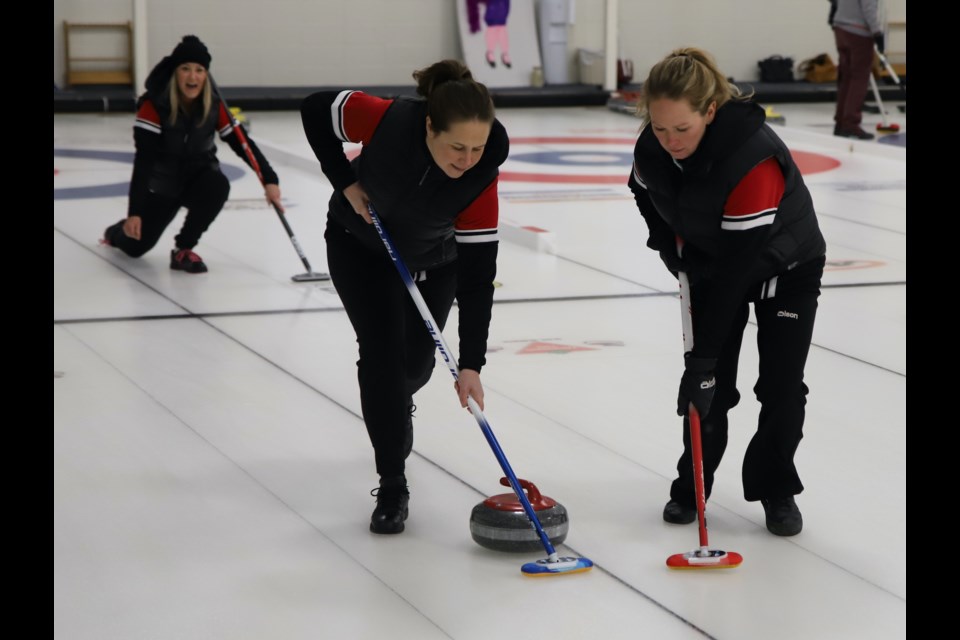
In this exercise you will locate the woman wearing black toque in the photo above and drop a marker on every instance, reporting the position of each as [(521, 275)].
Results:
[(176, 159)]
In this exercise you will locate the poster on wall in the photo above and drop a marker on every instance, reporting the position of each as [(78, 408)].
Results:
[(499, 40)]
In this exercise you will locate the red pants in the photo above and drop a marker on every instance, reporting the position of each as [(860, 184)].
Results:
[(853, 77)]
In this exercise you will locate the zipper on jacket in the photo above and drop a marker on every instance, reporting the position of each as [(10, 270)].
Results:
[(424, 177)]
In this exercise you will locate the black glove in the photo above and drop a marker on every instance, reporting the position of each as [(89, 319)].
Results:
[(673, 262), (878, 38), (697, 385), (665, 243)]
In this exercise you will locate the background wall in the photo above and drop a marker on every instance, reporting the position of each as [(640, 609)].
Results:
[(380, 42), (738, 32)]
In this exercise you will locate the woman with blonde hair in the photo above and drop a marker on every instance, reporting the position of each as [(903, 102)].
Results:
[(176, 163), (711, 176)]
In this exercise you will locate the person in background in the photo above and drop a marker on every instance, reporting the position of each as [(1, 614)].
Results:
[(709, 174), (856, 29), (429, 168), (176, 163)]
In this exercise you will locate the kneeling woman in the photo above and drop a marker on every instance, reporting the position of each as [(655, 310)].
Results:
[(176, 159)]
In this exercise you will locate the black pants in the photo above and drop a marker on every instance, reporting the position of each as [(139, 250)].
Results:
[(396, 350), (204, 196), (785, 320)]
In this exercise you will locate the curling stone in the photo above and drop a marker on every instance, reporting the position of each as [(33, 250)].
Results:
[(501, 524), (240, 117), (773, 117)]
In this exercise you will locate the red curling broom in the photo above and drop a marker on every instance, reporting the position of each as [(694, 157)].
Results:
[(884, 126), (310, 275), (704, 557)]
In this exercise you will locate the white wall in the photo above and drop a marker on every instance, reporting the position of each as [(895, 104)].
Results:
[(739, 33), (377, 42), (287, 42)]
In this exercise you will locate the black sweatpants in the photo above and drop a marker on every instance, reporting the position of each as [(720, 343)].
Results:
[(397, 353), (204, 197), (785, 310)]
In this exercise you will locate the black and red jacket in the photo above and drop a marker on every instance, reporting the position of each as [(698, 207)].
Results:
[(169, 155), (740, 207), (432, 218)]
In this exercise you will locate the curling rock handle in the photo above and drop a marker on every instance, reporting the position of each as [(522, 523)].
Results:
[(501, 524)]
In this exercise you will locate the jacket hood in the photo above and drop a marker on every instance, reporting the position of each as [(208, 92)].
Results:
[(159, 78)]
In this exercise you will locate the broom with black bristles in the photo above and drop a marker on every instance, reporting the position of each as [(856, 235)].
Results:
[(310, 275)]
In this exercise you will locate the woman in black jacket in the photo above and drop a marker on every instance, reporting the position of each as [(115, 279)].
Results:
[(176, 159), (429, 167), (711, 175)]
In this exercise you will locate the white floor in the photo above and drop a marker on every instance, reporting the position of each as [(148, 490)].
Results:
[(212, 472)]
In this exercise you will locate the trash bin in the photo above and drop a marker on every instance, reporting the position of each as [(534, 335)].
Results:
[(555, 16), (591, 65)]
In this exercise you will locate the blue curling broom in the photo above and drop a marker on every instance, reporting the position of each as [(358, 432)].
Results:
[(553, 564)]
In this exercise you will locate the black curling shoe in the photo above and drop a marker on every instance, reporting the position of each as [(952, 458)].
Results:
[(676, 513), (856, 133), (110, 234), (392, 499), (783, 516)]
